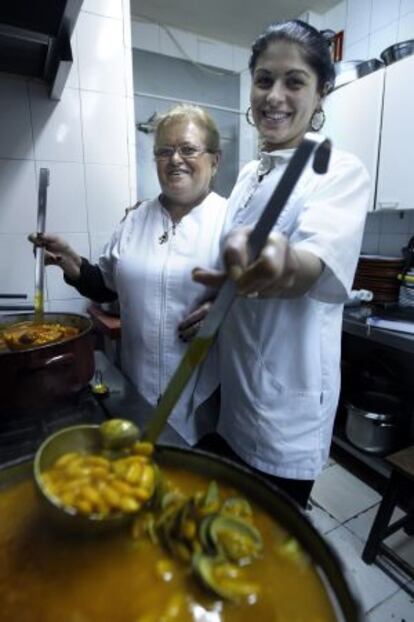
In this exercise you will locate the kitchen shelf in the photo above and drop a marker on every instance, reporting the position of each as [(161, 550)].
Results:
[(354, 323), (35, 39)]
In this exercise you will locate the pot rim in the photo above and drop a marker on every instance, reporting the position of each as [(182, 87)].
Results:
[(370, 415)]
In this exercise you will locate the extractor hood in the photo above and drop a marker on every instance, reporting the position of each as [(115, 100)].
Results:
[(35, 39)]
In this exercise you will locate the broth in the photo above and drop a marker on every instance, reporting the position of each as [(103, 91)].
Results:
[(47, 576)]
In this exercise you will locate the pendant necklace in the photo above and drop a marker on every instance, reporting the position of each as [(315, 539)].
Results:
[(164, 237)]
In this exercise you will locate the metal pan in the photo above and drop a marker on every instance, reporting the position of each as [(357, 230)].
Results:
[(348, 71), (397, 51)]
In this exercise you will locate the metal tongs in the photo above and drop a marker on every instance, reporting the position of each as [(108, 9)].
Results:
[(39, 250), (200, 345)]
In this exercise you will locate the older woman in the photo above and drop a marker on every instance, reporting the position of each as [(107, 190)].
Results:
[(280, 343), (147, 264)]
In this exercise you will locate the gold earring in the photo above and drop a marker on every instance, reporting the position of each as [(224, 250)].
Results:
[(248, 116), (318, 120)]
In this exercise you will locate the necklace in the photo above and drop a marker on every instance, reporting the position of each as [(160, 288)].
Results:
[(165, 236)]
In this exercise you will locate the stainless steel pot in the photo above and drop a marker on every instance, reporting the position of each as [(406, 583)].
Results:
[(347, 71), (397, 51), (376, 422)]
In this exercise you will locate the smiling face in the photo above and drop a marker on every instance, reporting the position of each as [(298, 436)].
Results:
[(283, 96), (185, 181)]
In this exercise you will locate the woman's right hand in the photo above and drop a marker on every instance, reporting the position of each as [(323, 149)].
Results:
[(58, 253)]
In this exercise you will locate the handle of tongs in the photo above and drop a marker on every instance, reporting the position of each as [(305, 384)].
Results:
[(40, 251)]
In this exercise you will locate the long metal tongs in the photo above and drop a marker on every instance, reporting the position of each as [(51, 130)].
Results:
[(200, 345), (40, 251)]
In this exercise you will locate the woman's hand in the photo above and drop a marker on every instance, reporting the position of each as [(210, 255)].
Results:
[(58, 253), (189, 327), (280, 270)]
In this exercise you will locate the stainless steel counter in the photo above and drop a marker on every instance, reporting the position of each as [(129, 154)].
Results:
[(354, 323)]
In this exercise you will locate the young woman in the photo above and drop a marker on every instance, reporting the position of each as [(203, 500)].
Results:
[(280, 344), (147, 264)]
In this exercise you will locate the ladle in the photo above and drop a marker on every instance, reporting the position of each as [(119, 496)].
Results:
[(40, 251)]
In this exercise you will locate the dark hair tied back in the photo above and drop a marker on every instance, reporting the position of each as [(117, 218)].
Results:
[(314, 45)]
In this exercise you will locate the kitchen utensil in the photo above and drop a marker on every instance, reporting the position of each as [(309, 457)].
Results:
[(376, 422), (349, 70), (199, 347), (40, 375), (397, 51), (333, 575), (40, 251)]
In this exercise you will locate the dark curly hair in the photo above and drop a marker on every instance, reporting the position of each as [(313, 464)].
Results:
[(314, 46)]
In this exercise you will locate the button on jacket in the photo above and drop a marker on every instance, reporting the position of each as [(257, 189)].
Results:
[(280, 358), (156, 292)]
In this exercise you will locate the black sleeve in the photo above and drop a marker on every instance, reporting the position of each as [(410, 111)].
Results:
[(91, 283)]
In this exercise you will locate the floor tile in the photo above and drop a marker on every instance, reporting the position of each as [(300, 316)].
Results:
[(330, 463), (398, 608), (372, 585), (342, 494), (320, 519), (361, 524), (399, 542), (403, 545)]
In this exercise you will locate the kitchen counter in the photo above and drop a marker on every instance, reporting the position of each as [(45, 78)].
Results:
[(354, 323), (125, 402)]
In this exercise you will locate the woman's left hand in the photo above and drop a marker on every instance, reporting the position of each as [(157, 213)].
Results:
[(189, 327), (280, 270)]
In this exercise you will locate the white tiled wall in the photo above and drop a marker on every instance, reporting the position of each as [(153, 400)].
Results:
[(373, 25), (178, 43), (87, 140), (370, 26)]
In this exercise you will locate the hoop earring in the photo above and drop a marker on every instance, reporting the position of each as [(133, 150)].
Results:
[(318, 120), (248, 117)]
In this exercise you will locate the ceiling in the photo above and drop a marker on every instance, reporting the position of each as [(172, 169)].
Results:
[(234, 21)]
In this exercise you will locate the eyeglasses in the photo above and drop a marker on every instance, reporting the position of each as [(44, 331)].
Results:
[(188, 152)]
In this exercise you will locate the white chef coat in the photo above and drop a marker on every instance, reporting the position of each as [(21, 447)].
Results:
[(156, 292), (280, 359)]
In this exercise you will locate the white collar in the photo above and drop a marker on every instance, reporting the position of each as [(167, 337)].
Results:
[(270, 159)]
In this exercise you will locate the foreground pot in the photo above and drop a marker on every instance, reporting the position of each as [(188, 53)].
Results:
[(39, 376), (276, 503)]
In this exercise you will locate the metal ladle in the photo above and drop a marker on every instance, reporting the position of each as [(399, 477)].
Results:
[(40, 251)]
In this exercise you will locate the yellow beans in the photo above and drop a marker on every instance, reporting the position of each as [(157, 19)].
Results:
[(94, 484)]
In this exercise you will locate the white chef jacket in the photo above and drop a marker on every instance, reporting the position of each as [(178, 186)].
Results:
[(280, 359), (156, 292)]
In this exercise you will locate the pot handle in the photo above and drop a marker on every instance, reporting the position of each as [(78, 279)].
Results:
[(66, 358)]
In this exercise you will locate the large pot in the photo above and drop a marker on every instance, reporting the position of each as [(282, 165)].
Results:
[(334, 577), (376, 422), (36, 377)]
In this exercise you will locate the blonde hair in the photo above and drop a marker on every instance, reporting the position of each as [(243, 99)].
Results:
[(199, 116)]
